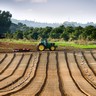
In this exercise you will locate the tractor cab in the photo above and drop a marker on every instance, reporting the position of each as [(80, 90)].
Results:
[(44, 41), (44, 44)]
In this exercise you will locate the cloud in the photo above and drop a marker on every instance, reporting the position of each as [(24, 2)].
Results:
[(20, 0), (32, 1), (29, 10), (38, 1)]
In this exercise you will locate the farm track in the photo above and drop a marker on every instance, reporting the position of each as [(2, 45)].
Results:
[(48, 74)]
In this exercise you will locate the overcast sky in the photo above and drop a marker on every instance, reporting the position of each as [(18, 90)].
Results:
[(51, 10)]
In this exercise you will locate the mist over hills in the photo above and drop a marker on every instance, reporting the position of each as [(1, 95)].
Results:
[(75, 24), (35, 24), (38, 24)]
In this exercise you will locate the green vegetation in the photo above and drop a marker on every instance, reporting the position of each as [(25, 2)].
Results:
[(68, 33), (77, 37), (58, 43), (19, 41), (72, 44), (21, 31)]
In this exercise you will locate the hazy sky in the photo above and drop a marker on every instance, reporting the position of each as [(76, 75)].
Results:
[(51, 10)]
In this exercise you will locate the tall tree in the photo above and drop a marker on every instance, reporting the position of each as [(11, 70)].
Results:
[(88, 31), (46, 32), (56, 32), (77, 32), (18, 35), (5, 21)]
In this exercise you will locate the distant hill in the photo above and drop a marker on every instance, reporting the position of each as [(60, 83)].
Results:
[(34, 24), (38, 24), (13, 27), (75, 24)]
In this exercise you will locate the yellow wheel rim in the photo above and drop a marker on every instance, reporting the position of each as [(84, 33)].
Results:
[(41, 47), (52, 48)]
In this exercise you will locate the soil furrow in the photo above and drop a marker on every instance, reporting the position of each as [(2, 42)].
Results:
[(76, 74), (47, 73), (60, 80), (90, 61), (52, 84), (2, 57), (26, 80), (7, 61), (69, 86), (12, 68), (11, 87), (14, 86), (94, 55), (85, 70), (43, 85), (36, 83), (17, 75)]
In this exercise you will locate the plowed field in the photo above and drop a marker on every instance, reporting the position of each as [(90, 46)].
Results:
[(57, 73)]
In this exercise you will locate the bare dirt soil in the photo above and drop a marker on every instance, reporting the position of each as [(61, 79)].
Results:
[(48, 73), (9, 47)]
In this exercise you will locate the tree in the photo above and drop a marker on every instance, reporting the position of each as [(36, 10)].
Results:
[(8, 35), (5, 21), (77, 32), (56, 32), (45, 32), (69, 29), (88, 31), (18, 35), (65, 36), (27, 34), (93, 35)]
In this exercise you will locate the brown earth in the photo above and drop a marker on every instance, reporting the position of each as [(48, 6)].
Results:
[(9, 47), (48, 73)]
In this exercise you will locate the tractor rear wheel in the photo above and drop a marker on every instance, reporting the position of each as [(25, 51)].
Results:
[(41, 47), (52, 48)]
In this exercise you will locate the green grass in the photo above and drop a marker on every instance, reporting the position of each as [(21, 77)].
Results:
[(18, 41), (72, 44), (59, 43)]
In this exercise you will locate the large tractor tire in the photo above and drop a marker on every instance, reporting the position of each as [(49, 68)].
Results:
[(41, 47), (52, 48)]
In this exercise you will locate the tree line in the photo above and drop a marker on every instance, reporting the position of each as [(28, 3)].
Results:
[(21, 31), (66, 33)]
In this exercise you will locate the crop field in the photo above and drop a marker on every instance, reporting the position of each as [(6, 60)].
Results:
[(48, 73)]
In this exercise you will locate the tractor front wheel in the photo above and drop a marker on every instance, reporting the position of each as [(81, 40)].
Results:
[(52, 48), (41, 47)]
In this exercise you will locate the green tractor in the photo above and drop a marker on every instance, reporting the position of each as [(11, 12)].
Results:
[(45, 45)]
